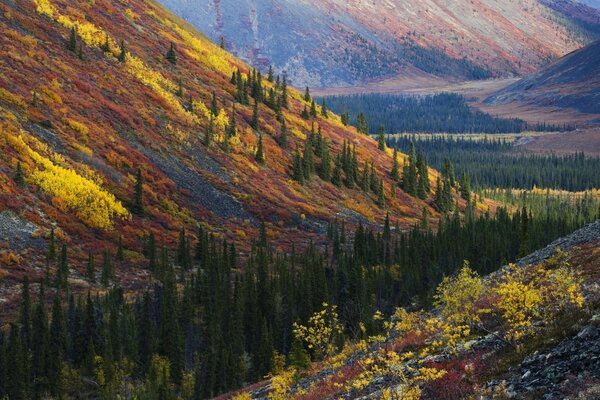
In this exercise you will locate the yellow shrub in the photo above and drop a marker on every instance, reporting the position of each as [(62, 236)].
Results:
[(458, 296), (92, 204), (130, 14), (12, 98), (79, 127)]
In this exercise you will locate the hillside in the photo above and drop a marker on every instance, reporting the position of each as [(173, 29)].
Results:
[(104, 137), (571, 82), (338, 43), (527, 331)]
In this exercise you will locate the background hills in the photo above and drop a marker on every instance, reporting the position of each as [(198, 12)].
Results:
[(339, 43)]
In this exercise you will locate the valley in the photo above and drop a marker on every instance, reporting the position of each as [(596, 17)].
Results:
[(286, 200)]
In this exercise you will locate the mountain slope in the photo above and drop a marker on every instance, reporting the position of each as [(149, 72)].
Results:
[(480, 341), (76, 126), (335, 43), (571, 82)]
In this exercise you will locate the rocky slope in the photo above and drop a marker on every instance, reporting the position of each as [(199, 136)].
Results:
[(339, 43), (77, 123), (571, 82)]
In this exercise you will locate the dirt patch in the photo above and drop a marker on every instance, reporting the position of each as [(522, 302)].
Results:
[(586, 141)]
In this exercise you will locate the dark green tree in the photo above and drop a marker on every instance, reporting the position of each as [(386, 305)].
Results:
[(72, 43), (260, 156), (138, 194), (19, 177), (122, 52), (171, 55), (395, 166)]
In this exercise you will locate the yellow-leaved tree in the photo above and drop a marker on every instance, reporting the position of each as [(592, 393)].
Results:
[(321, 332)]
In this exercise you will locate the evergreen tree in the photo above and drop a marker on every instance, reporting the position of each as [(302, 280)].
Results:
[(345, 118), (255, 118), (57, 349), (361, 124), (232, 127), (325, 169), (171, 55), (138, 194), (423, 186), (90, 271), (122, 52), (214, 108), (284, 94), (179, 91), (305, 114), (259, 156), (298, 169), (283, 141), (307, 97), (72, 43), (222, 43), (25, 313), (324, 112), (271, 76), (308, 164), (465, 187), (19, 177), (313, 109), (395, 166), (381, 138), (183, 252)]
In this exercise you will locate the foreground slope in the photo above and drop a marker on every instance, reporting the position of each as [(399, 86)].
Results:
[(340, 43), (527, 331), (77, 125), (571, 82)]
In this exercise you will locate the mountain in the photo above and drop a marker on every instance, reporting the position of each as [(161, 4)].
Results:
[(105, 107), (571, 82), (341, 43)]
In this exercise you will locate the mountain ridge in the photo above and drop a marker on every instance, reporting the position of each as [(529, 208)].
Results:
[(335, 43)]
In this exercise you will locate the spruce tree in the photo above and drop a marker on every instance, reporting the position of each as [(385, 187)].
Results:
[(381, 138), (222, 43), (57, 349), (122, 52), (345, 118), (25, 312), (305, 114), (283, 141), (298, 169), (465, 187), (138, 194), (313, 109), (90, 271), (395, 166), (232, 127), (171, 55), (19, 177), (307, 97), (284, 94), (423, 186), (255, 118), (51, 253), (271, 76), (214, 107), (72, 43), (183, 251), (324, 112), (325, 169), (62, 270), (260, 156)]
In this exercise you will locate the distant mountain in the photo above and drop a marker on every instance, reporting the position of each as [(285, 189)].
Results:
[(571, 82), (338, 43)]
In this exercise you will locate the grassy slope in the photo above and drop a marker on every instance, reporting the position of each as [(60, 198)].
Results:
[(104, 119)]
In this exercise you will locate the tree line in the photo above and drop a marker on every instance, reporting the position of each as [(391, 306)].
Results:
[(494, 163), (443, 112)]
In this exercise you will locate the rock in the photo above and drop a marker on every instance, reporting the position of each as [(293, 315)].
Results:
[(589, 332)]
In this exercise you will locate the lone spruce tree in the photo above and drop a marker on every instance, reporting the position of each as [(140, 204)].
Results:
[(260, 156), (138, 194), (171, 55), (19, 177), (72, 43)]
